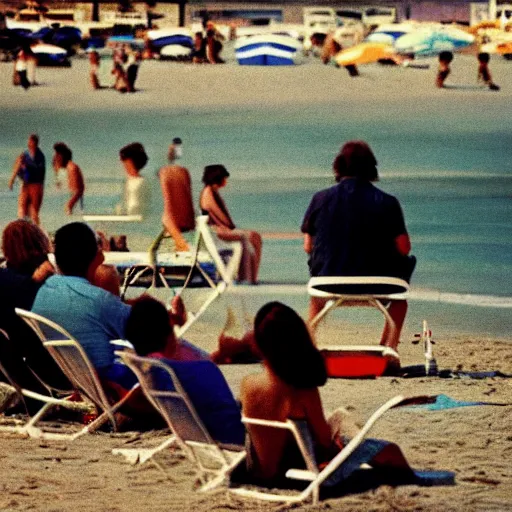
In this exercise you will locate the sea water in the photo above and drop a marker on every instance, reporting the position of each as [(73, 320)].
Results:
[(452, 173)]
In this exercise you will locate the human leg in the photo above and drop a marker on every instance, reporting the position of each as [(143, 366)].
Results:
[(35, 193), (257, 243), (23, 202), (316, 305), (397, 310)]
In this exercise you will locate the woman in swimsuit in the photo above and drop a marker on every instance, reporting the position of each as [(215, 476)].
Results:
[(293, 370), (211, 203)]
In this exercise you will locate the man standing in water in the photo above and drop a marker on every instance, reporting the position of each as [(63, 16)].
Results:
[(30, 167)]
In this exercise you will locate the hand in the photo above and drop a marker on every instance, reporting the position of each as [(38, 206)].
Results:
[(182, 246), (43, 272), (11, 184), (179, 314)]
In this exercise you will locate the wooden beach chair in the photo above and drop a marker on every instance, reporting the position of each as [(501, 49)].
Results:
[(76, 366), (366, 291), (53, 398), (159, 380)]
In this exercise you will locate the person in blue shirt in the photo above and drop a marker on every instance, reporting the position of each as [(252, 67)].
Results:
[(30, 167), (356, 229)]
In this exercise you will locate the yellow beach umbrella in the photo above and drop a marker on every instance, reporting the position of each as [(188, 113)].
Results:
[(364, 53)]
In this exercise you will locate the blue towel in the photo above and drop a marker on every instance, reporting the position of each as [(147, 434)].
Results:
[(441, 402)]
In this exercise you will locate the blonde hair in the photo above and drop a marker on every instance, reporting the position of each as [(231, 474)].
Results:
[(25, 246)]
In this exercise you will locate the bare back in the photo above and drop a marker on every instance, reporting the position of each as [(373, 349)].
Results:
[(177, 194)]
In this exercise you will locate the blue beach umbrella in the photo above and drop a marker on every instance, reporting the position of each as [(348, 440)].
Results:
[(432, 41)]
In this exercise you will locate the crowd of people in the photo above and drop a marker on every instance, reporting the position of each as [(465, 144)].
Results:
[(351, 228)]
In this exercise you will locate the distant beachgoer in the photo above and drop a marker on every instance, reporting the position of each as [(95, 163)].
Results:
[(211, 203), (175, 151), (62, 159), (355, 229), (445, 58), (213, 47), (330, 48), (136, 192), (120, 82), (199, 49), (132, 69), (21, 68), (484, 74), (30, 167), (94, 63)]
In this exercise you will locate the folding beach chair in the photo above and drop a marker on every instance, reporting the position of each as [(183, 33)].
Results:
[(368, 291), (159, 380), (210, 264), (355, 455), (54, 397), (76, 366)]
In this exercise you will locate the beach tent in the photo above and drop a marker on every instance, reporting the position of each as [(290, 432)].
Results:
[(268, 50)]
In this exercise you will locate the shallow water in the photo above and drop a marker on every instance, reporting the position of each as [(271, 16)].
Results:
[(448, 163)]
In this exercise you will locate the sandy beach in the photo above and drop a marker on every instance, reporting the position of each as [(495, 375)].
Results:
[(474, 442)]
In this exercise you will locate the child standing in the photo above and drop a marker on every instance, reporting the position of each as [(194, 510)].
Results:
[(484, 74)]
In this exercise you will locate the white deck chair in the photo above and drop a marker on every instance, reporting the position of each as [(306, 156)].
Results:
[(55, 397), (370, 291), (163, 389), (76, 366), (190, 267), (312, 474)]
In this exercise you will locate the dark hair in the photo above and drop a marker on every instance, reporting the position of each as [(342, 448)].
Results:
[(25, 246), (285, 343), (148, 327), (63, 150), (176, 140), (356, 160), (34, 136), (446, 56), (75, 248), (484, 57), (136, 153), (214, 174)]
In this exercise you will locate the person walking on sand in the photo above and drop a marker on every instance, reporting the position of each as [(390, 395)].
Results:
[(94, 63), (21, 68), (30, 167), (445, 58), (62, 159), (484, 74)]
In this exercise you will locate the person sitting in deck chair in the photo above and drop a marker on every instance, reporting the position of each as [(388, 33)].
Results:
[(355, 229), (287, 388)]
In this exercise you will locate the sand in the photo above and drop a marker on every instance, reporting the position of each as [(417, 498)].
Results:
[(474, 442)]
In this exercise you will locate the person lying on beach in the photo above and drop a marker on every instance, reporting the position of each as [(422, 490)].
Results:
[(445, 59), (211, 203), (287, 388), (62, 159), (355, 229), (484, 74)]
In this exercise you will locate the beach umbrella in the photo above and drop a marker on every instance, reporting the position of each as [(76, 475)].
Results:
[(432, 41), (364, 53)]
